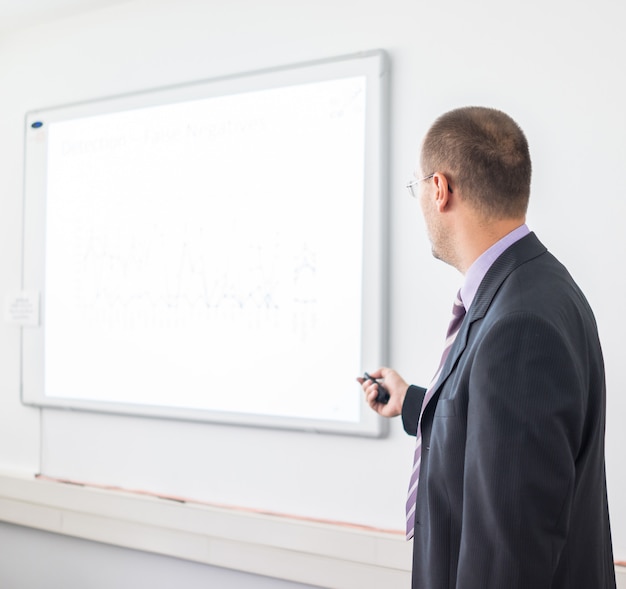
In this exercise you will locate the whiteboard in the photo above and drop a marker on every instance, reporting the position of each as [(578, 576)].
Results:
[(214, 251)]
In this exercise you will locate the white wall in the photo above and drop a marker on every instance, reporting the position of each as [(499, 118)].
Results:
[(554, 65)]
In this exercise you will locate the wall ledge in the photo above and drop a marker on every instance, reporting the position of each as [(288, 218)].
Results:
[(305, 551)]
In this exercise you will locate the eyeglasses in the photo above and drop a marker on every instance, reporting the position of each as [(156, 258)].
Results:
[(412, 186)]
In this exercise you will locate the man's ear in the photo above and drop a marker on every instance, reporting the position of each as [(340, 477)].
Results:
[(442, 192)]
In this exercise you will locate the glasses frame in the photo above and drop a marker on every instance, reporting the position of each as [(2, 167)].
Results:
[(411, 185)]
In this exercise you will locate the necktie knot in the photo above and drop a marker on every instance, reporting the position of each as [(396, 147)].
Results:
[(458, 312), (458, 309)]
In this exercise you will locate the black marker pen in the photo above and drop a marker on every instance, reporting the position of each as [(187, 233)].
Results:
[(383, 393)]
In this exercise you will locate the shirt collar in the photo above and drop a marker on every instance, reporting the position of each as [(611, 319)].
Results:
[(479, 268)]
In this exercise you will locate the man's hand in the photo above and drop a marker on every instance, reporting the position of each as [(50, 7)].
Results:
[(396, 386)]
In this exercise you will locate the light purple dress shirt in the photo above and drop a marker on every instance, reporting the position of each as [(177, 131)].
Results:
[(479, 268)]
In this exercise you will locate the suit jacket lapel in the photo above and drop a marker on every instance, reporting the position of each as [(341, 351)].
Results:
[(520, 252)]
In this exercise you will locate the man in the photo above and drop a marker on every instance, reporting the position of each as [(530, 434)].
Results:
[(508, 489)]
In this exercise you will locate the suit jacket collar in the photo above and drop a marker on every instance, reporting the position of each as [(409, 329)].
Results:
[(519, 253)]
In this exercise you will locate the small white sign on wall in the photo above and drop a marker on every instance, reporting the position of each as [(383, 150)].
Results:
[(22, 308)]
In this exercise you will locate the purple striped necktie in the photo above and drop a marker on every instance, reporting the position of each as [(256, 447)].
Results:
[(458, 312)]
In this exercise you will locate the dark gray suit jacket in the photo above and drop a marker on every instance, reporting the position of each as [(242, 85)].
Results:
[(512, 491)]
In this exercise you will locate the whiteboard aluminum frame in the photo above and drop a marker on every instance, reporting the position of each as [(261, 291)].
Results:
[(375, 66)]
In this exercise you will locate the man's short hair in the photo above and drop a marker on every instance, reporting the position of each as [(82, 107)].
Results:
[(484, 153)]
